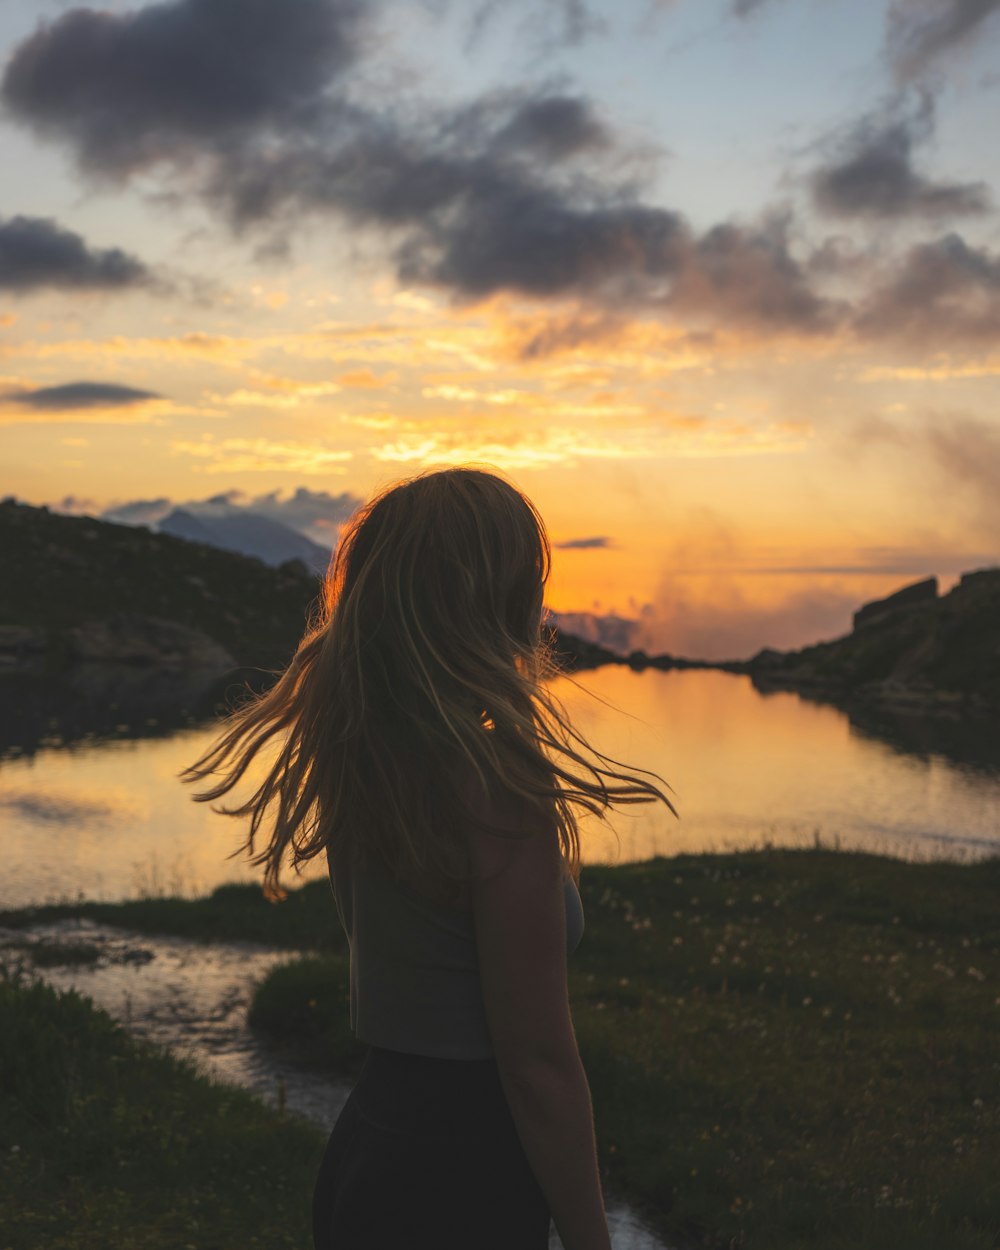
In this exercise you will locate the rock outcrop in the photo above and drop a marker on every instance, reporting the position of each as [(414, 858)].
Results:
[(919, 592), (912, 650)]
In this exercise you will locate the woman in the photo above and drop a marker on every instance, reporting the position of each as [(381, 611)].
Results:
[(424, 756)]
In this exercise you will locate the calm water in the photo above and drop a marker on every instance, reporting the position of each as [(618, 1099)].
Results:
[(109, 819)]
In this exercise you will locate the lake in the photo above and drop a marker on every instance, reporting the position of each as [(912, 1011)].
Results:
[(108, 818)]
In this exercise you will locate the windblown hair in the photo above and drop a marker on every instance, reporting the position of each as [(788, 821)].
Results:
[(424, 669)]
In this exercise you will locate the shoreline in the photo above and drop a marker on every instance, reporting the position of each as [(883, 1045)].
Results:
[(889, 696)]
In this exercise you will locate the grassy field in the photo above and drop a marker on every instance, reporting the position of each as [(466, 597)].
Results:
[(110, 1144), (786, 1049)]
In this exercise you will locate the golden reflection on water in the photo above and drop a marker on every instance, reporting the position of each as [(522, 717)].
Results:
[(747, 768), (113, 820)]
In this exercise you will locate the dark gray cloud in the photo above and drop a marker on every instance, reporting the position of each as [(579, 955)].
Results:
[(871, 173), (555, 127), (36, 253), (838, 256), (524, 237), (249, 103), (518, 236), (73, 395), (920, 32), (748, 275), (584, 544), (129, 89), (938, 293)]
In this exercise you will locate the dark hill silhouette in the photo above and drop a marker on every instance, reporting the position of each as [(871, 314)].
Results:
[(77, 589)]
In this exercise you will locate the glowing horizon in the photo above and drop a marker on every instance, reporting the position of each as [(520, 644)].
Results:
[(717, 283)]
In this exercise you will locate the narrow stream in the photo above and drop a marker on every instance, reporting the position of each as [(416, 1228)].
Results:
[(192, 997)]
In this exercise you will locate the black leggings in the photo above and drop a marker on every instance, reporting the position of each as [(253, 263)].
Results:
[(425, 1153)]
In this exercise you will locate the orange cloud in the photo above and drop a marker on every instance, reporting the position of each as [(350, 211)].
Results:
[(943, 371), (682, 436), (222, 349), (282, 393), (365, 380), (371, 420), (243, 455)]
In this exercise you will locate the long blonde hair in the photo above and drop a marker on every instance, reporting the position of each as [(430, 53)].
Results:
[(425, 666)]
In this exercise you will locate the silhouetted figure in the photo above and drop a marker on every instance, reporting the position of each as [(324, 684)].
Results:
[(424, 755)]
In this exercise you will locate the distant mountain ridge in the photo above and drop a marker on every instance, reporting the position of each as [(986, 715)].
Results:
[(249, 534)]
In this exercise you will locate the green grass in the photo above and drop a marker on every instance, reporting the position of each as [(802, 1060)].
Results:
[(306, 920), (109, 1144), (798, 1049), (786, 1049)]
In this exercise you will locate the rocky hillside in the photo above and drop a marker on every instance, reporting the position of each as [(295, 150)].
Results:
[(913, 648), (78, 589), (75, 588)]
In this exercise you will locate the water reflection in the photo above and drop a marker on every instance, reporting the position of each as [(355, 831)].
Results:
[(191, 997), (56, 809), (971, 743), (128, 826), (110, 819), (748, 769), (95, 702)]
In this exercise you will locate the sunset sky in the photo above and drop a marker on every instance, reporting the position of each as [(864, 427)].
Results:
[(716, 282)]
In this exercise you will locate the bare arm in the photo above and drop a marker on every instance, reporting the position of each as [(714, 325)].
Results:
[(520, 917)]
